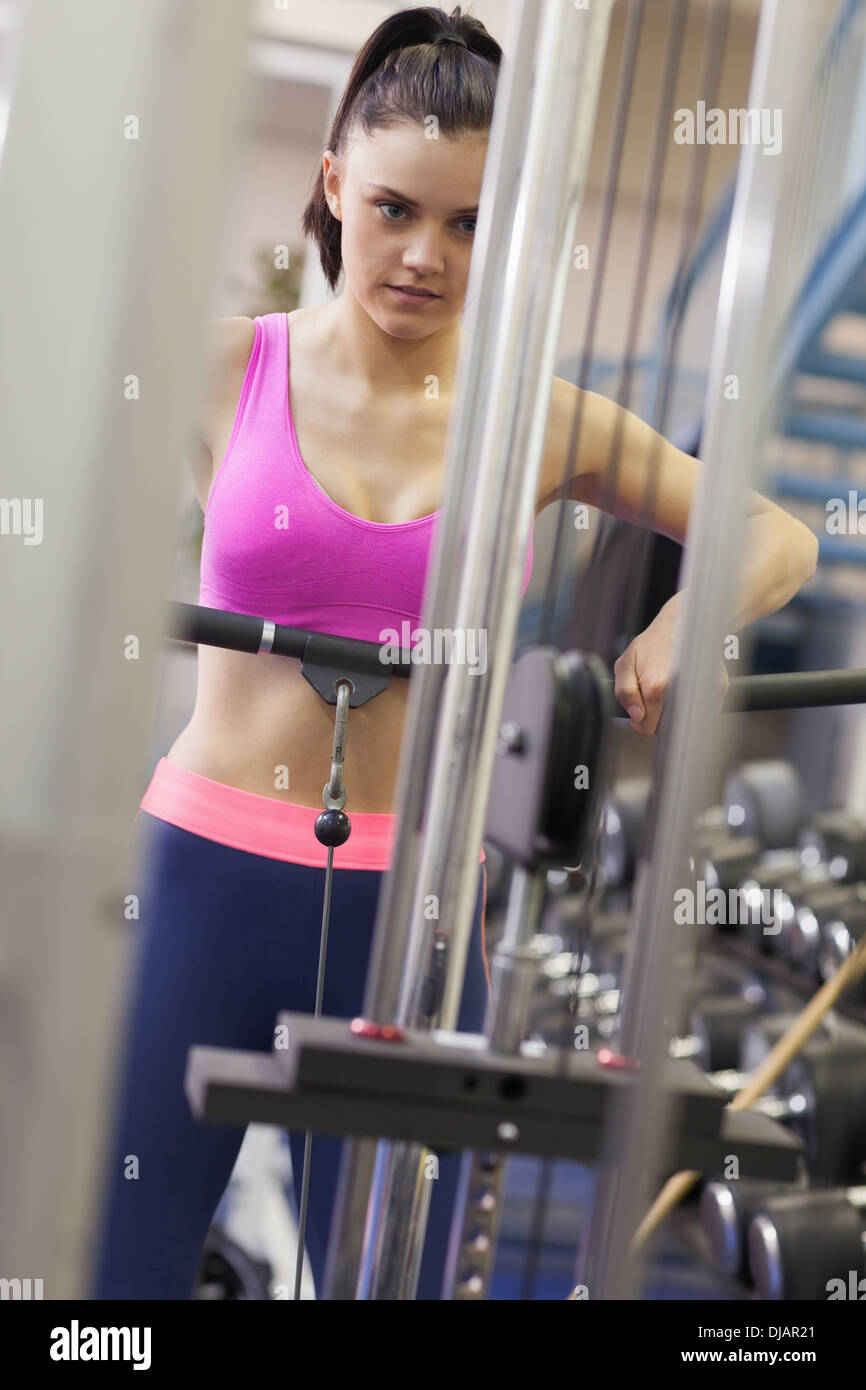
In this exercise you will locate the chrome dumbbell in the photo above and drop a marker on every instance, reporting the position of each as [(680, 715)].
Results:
[(802, 913), (622, 825), (821, 1096), (838, 839), (765, 800), (809, 1245), (726, 1209)]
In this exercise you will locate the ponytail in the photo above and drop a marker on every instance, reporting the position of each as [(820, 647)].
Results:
[(404, 72)]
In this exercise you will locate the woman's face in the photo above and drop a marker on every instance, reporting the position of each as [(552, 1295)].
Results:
[(408, 205)]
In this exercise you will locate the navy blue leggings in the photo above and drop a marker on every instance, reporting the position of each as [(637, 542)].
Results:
[(225, 940)]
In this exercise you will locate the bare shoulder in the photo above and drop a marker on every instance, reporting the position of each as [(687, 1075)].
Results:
[(228, 344), (229, 335)]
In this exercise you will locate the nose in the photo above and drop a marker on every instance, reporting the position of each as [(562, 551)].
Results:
[(424, 255)]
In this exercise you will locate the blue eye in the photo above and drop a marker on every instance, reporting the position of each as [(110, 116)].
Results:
[(400, 208)]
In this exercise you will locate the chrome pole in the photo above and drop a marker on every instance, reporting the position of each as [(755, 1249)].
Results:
[(534, 179), (737, 424)]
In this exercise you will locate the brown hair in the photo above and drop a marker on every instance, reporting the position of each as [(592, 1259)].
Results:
[(403, 74)]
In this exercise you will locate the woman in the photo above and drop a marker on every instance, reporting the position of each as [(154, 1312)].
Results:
[(317, 515)]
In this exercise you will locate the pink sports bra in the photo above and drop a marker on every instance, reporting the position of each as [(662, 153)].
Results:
[(275, 544)]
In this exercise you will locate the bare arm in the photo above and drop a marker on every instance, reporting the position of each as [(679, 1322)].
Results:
[(655, 486), (779, 552), (227, 347)]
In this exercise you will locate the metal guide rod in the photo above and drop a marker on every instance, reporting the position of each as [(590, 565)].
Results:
[(121, 129), (709, 73), (634, 1150), (387, 961), (516, 962), (539, 146), (514, 975), (395, 901), (601, 246)]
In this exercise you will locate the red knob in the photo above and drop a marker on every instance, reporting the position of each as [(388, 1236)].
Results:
[(608, 1058), (382, 1032)]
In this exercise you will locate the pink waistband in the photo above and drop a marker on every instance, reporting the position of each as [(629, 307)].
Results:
[(262, 824)]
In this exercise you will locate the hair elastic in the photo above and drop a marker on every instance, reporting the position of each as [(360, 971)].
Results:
[(450, 38)]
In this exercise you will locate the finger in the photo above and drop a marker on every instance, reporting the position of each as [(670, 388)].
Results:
[(653, 691), (626, 688)]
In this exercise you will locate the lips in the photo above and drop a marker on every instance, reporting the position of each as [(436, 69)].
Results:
[(419, 294)]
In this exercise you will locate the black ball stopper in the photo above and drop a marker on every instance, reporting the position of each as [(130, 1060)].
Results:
[(333, 828)]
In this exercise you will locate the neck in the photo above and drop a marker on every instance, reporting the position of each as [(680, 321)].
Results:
[(386, 366)]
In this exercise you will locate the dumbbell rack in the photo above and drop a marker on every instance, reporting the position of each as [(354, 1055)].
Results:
[(781, 973)]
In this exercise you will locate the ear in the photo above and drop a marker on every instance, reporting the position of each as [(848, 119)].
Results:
[(331, 176)]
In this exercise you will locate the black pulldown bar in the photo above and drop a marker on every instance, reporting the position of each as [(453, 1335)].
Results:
[(320, 651)]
